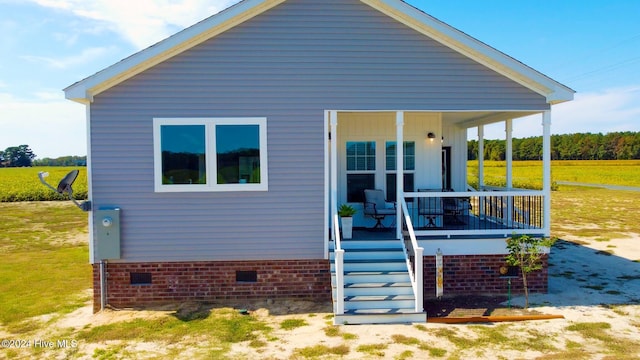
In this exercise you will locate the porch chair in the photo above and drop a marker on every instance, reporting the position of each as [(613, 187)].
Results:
[(377, 207), (456, 208), (431, 208)]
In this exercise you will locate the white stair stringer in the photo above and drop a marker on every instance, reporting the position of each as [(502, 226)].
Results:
[(377, 285)]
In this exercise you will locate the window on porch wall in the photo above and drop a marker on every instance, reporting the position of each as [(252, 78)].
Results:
[(409, 152), (361, 169)]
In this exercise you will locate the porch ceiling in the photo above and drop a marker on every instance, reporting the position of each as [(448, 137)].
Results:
[(469, 119)]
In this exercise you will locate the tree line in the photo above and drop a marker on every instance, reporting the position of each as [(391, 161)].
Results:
[(582, 146), (23, 156)]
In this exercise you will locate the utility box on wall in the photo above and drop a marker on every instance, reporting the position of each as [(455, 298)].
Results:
[(107, 234)]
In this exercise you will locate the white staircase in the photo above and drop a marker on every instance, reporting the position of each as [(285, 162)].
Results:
[(377, 285)]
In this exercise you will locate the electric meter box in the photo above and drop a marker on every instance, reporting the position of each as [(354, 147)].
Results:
[(107, 225)]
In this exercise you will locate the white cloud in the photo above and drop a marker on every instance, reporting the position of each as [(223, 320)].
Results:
[(610, 110), (86, 56), (50, 127), (141, 22), (616, 109)]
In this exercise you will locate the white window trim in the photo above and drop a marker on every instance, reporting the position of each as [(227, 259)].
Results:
[(210, 151)]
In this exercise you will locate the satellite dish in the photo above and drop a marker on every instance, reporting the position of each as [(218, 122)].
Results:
[(67, 181), (65, 186)]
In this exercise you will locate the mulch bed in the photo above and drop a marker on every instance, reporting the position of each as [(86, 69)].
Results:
[(471, 306)]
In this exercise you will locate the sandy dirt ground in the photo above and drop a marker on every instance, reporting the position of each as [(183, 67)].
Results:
[(589, 283)]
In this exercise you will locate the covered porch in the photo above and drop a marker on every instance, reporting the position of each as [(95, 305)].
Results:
[(426, 179), (425, 182)]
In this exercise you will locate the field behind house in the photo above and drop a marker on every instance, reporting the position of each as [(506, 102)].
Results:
[(45, 282), (528, 174), (22, 184)]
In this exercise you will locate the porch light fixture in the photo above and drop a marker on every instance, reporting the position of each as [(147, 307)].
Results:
[(431, 136)]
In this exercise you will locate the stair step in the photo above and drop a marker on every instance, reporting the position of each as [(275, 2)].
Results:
[(372, 267), (381, 311), (371, 249), (374, 261), (364, 317), (369, 302), (377, 244), (377, 289), (377, 285), (378, 254), (379, 298), (378, 276)]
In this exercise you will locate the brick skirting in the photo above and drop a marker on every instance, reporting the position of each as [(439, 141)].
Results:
[(479, 275), (174, 282)]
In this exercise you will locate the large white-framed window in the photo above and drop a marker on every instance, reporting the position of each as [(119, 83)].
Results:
[(210, 154)]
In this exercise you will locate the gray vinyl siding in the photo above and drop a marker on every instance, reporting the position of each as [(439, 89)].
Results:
[(288, 64)]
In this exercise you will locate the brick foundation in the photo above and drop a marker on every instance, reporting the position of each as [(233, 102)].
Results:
[(479, 275), (174, 282)]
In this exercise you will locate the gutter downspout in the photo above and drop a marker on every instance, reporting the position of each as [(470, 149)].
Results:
[(103, 284)]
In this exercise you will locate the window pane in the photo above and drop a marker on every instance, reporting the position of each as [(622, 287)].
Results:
[(183, 154), (391, 185), (238, 154), (357, 183), (391, 155), (361, 155), (409, 155)]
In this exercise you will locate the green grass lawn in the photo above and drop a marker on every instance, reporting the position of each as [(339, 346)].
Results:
[(594, 212), (42, 271)]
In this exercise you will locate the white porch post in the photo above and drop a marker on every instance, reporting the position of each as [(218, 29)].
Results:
[(481, 168), (508, 128), (546, 172), (399, 171), (333, 120), (509, 152), (480, 157)]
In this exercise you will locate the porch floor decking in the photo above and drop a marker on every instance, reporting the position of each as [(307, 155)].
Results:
[(469, 223), (390, 234)]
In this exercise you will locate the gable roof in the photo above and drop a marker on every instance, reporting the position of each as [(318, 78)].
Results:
[(83, 91)]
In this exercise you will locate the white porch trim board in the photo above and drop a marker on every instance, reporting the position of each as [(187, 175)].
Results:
[(399, 169), (333, 118), (546, 172), (508, 128), (464, 247), (92, 259), (508, 125), (480, 156), (327, 212)]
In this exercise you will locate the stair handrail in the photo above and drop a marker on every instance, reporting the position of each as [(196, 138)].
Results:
[(417, 279), (339, 265)]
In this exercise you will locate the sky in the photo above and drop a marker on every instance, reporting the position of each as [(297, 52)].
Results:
[(592, 46)]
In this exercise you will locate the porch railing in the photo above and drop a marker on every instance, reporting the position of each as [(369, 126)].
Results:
[(339, 265), (495, 212), (413, 253)]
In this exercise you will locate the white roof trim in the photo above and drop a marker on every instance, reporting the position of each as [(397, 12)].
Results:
[(83, 91)]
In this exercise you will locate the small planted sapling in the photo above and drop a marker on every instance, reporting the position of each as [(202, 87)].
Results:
[(526, 253)]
